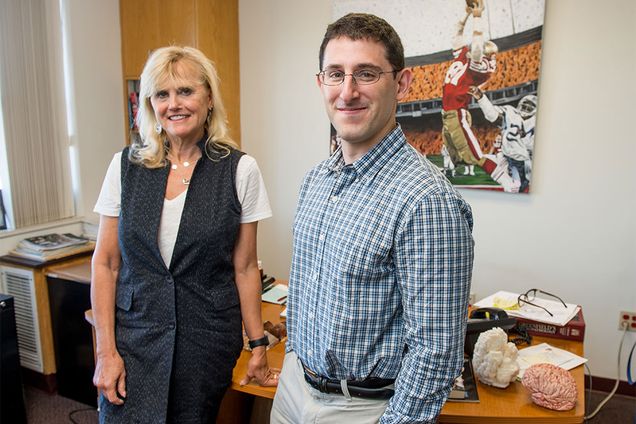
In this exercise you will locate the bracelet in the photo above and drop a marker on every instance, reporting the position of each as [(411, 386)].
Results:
[(263, 341)]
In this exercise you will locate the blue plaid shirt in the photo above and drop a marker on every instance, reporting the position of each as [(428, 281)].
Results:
[(380, 276)]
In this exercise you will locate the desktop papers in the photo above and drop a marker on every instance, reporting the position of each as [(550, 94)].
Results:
[(276, 294), (545, 353), (508, 301)]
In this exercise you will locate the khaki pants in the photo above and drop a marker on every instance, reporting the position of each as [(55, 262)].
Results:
[(297, 402), (463, 146)]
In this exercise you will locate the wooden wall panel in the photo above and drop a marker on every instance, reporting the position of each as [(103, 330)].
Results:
[(218, 38), (176, 23), (209, 25), (139, 34)]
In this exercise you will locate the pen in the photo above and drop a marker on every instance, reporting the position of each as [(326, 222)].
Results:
[(281, 298)]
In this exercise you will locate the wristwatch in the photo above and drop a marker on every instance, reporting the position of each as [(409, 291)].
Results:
[(263, 341)]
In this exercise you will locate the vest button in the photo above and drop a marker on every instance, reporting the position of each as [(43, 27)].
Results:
[(171, 326)]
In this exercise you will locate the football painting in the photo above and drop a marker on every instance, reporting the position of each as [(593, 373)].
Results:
[(472, 105)]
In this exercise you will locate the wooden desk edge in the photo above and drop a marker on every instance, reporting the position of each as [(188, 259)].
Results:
[(254, 389), (275, 355)]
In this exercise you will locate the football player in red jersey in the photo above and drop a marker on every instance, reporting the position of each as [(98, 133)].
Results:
[(472, 65)]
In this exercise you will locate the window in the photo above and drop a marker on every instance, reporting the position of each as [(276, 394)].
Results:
[(34, 143)]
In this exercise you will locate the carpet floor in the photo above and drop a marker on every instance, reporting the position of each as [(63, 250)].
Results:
[(43, 408)]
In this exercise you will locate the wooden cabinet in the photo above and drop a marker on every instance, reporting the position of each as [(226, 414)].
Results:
[(69, 298), (210, 25)]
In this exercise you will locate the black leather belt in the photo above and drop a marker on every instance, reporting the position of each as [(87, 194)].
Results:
[(370, 388)]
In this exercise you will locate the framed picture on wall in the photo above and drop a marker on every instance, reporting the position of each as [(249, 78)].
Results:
[(473, 102)]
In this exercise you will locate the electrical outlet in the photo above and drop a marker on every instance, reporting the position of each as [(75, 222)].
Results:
[(472, 298), (627, 319)]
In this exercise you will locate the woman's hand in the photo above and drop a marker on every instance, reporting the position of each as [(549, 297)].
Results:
[(110, 377), (258, 369)]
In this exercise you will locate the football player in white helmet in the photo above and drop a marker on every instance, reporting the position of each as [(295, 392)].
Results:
[(527, 106), (517, 133)]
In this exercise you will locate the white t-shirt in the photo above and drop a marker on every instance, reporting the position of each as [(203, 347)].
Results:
[(250, 190)]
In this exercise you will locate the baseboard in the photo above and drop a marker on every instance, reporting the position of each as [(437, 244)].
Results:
[(45, 382), (607, 384)]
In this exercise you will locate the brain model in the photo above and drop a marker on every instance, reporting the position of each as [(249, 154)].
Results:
[(550, 386), (495, 359)]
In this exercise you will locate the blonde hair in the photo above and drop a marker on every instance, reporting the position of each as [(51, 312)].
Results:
[(151, 148)]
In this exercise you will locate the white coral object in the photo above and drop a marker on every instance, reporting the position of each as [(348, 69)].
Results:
[(495, 359)]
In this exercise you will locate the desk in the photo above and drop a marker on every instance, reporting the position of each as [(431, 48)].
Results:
[(504, 406), (513, 404)]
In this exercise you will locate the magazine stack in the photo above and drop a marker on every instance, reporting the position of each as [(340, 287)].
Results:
[(50, 247)]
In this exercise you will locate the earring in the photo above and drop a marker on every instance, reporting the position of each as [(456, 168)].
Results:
[(210, 109), (158, 128)]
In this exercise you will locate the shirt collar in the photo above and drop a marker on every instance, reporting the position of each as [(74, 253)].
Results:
[(371, 162)]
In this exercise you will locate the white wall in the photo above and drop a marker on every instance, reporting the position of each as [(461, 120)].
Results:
[(286, 128), (574, 235), (97, 90)]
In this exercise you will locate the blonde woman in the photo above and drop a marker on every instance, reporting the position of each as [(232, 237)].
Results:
[(175, 266)]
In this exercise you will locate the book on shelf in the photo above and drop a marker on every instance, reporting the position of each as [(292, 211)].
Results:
[(133, 106), (572, 330), (465, 388)]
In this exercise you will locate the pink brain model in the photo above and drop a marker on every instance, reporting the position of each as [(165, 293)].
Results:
[(550, 386)]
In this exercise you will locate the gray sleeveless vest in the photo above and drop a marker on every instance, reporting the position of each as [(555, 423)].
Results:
[(178, 329)]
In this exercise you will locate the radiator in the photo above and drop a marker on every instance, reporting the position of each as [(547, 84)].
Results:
[(20, 284)]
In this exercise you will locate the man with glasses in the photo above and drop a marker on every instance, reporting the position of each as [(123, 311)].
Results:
[(382, 255)]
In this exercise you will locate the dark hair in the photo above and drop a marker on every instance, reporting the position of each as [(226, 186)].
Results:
[(364, 26)]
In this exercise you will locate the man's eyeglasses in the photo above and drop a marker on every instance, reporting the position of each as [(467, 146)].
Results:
[(361, 77), (529, 297)]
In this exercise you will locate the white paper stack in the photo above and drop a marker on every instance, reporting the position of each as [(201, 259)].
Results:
[(508, 301)]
